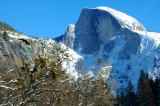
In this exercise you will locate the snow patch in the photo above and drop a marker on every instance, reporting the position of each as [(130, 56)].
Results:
[(70, 64), (125, 20)]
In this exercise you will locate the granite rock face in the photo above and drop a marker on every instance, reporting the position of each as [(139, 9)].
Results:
[(93, 28), (124, 20), (19, 47), (132, 44), (14, 50), (68, 38), (119, 40), (98, 25)]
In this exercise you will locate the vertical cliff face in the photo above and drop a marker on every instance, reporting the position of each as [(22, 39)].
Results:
[(97, 25), (119, 40), (132, 43), (93, 28), (123, 19), (69, 36)]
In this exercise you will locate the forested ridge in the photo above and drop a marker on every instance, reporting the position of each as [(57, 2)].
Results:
[(147, 93), (6, 27)]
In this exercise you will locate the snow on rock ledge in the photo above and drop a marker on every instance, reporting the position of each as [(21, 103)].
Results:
[(70, 64), (124, 20)]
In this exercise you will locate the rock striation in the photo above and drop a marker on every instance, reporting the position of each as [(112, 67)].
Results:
[(97, 25), (119, 40), (20, 47)]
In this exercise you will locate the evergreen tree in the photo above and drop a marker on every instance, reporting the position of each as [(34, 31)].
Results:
[(144, 94), (123, 99), (130, 95), (6, 27), (118, 99), (155, 85), (5, 36), (130, 87), (151, 98)]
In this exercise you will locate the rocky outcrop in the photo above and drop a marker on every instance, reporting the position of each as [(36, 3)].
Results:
[(98, 25), (93, 28), (15, 49), (132, 44), (123, 19), (68, 38), (105, 35)]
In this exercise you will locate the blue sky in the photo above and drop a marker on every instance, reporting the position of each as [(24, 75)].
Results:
[(50, 18)]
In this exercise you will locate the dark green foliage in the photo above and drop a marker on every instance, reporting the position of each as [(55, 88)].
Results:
[(6, 27), (148, 93), (144, 91), (141, 90), (155, 85), (5, 36), (157, 91), (128, 99), (40, 63), (118, 99), (131, 96), (130, 87), (123, 99)]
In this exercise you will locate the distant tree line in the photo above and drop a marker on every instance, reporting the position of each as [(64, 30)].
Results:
[(6, 27), (147, 94)]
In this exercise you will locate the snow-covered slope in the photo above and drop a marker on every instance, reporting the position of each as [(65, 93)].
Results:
[(70, 64), (105, 37), (19, 35), (23, 46), (125, 20), (146, 58), (97, 25)]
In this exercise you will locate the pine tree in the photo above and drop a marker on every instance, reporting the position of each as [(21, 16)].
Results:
[(157, 91), (5, 36), (150, 95), (118, 99), (141, 93), (6, 27), (144, 94), (130, 95), (130, 87), (123, 99)]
